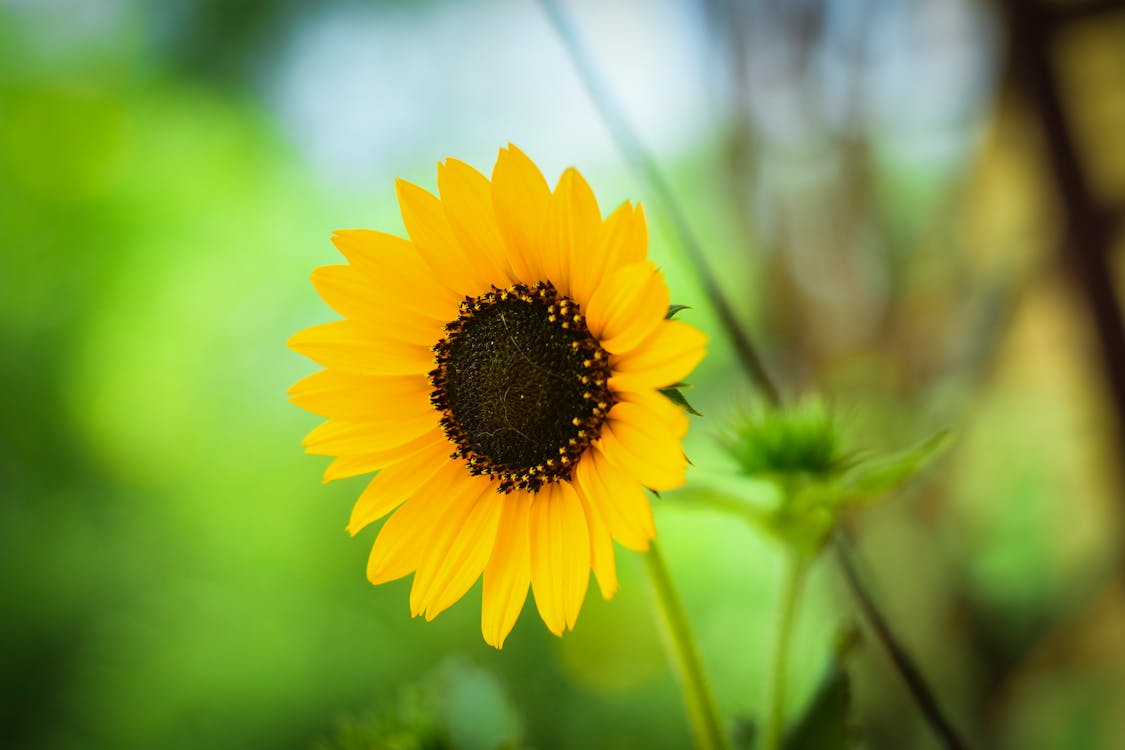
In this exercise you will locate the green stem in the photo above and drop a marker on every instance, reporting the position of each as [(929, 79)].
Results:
[(796, 566), (698, 700), (639, 158), (725, 504)]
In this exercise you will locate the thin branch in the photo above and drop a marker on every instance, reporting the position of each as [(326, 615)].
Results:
[(698, 699), (903, 664), (1090, 10), (791, 589), (1088, 225), (639, 159), (635, 153)]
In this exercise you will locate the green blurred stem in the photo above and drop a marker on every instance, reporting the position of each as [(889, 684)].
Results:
[(698, 700), (923, 696), (725, 504), (796, 566), (638, 157)]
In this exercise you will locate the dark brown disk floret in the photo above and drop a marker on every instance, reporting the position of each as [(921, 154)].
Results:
[(522, 385)]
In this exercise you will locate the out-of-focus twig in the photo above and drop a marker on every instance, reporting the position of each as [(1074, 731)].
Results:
[(698, 699), (1088, 224), (639, 158), (1062, 13), (903, 664)]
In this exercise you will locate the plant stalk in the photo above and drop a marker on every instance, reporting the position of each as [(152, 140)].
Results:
[(698, 701), (638, 157), (625, 137), (792, 588), (924, 698)]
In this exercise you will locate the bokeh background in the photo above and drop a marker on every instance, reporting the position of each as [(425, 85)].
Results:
[(881, 188)]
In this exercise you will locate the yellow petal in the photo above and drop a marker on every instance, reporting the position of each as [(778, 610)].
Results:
[(342, 438), (347, 346), (349, 293), (632, 245), (466, 197), (343, 467), (365, 463), (622, 241), (602, 558), (628, 307), (344, 289), (588, 270), (663, 359), (441, 532), (547, 555), (401, 544), (362, 397), (519, 200), (620, 499), (673, 418), (395, 484), (508, 573), (425, 221), (576, 536), (560, 555), (395, 273), (571, 229), (444, 578), (633, 439)]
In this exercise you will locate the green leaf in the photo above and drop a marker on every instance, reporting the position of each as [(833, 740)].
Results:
[(826, 723), (673, 309), (674, 395), (878, 475)]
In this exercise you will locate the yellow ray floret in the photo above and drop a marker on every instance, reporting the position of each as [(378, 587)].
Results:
[(501, 370)]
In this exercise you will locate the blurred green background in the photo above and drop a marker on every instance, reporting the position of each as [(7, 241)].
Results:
[(865, 179)]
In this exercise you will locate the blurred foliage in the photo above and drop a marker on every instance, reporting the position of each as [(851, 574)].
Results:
[(827, 723), (458, 706), (781, 442), (798, 449), (174, 575)]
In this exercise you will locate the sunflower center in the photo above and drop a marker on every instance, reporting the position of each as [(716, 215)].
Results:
[(521, 384)]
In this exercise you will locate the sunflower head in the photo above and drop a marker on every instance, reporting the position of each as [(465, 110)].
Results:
[(521, 362), (501, 371)]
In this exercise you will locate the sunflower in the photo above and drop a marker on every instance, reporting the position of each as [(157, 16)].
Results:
[(501, 370)]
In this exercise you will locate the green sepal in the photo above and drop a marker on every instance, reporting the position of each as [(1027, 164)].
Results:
[(676, 396), (673, 309), (798, 449), (812, 504), (799, 440)]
